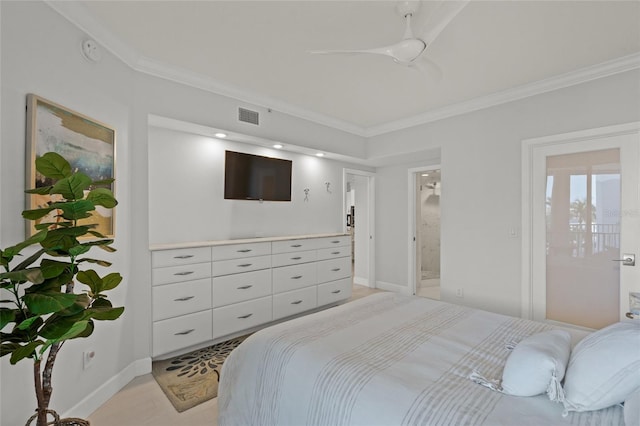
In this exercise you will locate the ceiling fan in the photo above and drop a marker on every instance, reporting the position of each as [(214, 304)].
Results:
[(411, 50)]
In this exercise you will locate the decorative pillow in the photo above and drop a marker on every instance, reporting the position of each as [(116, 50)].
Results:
[(537, 364), (604, 368), (632, 409)]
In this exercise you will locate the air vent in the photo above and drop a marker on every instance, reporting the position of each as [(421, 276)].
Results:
[(248, 116)]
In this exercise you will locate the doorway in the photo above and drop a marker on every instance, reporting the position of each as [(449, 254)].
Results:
[(358, 214), (425, 224), (580, 216)]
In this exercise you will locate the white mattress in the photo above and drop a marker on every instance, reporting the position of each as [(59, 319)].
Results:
[(385, 359)]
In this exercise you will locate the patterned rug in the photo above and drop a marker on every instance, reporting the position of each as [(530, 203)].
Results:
[(192, 378)]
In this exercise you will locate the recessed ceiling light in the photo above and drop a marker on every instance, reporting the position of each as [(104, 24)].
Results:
[(278, 146), (320, 154), (221, 135)]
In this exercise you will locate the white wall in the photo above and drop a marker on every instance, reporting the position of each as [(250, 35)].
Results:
[(40, 53), (186, 176), (361, 203), (481, 184)]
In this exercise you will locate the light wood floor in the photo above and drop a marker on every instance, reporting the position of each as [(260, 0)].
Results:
[(142, 402)]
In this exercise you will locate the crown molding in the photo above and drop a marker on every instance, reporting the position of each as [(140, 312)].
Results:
[(583, 75), (78, 15)]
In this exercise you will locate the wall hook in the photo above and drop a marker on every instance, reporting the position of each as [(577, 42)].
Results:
[(306, 194), (328, 184)]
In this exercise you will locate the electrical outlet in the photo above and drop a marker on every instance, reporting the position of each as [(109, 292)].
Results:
[(460, 293), (87, 358)]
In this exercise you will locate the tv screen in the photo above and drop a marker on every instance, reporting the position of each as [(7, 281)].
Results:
[(253, 177)]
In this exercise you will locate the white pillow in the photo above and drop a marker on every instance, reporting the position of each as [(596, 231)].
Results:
[(632, 409), (537, 363), (604, 368)]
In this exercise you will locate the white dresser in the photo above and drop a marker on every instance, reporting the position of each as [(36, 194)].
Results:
[(206, 291)]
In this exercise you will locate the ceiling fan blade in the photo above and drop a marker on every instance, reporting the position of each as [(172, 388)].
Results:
[(404, 52), (437, 21), (379, 51), (428, 67)]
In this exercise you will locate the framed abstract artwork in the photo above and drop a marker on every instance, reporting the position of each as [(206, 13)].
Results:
[(87, 144)]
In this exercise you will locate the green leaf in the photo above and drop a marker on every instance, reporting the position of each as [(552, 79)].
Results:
[(75, 330), (96, 261), (29, 260), (91, 279), (105, 314), (102, 197), (12, 251), (33, 275), (53, 268), (26, 324), (75, 210), (87, 331), (57, 326), (27, 351), (47, 302), (43, 190), (103, 182), (78, 250), (6, 316), (53, 165), (111, 281), (7, 348), (36, 213), (72, 187)]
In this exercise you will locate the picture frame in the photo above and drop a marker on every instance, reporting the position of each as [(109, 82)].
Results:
[(87, 144)]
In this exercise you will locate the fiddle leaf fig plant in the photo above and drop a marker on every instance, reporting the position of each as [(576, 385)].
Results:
[(43, 309)]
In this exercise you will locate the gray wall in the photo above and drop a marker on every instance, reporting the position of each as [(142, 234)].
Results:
[(481, 177)]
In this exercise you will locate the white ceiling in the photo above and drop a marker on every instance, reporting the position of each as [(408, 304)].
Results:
[(260, 49)]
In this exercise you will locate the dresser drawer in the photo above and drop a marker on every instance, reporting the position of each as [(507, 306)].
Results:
[(240, 287), (288, 246), (283, 259), (238, 251), (172, 300), (175, 274), (184, 256), (338, 241), (176, 333), (241, 316), (334, 291), (293, 302), (334, 252), (293, 277), (235, 266), (334, 269)]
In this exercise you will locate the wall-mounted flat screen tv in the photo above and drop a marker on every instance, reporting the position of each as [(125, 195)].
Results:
[(254, 177)]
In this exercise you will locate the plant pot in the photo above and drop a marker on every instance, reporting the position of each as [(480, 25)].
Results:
[(57, 421)]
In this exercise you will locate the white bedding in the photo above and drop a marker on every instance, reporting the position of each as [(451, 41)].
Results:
[(385, 359)]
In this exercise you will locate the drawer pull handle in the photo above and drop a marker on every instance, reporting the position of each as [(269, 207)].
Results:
[(182, 333), (336, 291), (335, 241), (183, 256), (183, 299), (245, 316), (297, 302), (296, 245), (335, 269), (296, 258), (245, 265), (297, 277), (335, 252), (184, 273), (244, 287), (244, 251)]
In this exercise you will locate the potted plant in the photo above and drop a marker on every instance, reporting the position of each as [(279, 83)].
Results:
[(43, 311)]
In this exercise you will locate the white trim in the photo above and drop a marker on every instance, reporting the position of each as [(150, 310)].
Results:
[(382, 285), (371, 196), (583, 75), (102, 394), (361, 281), (411, 223), (529, 149), (78, 15)]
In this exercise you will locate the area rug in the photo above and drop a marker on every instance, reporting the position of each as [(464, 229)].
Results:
[(192, 378)]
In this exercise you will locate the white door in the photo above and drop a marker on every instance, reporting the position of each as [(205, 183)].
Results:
[(583, 214)]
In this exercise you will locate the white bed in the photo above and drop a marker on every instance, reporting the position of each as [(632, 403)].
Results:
[(385, 359)]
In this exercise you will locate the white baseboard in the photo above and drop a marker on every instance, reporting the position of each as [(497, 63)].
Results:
[(95, 399), (361, 281), (392, 287)]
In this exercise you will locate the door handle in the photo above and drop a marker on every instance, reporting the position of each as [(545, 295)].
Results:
[(628, 259)]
